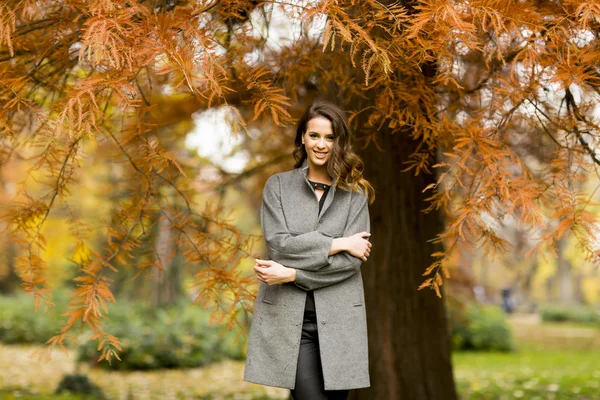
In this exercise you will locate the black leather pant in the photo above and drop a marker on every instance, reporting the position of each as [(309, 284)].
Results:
[(309, 374)]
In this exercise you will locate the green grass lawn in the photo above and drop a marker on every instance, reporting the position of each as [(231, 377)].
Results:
[(10, 393), (552, 361), (556, 374)]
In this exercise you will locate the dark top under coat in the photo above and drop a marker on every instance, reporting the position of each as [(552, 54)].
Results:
[(310, 298)]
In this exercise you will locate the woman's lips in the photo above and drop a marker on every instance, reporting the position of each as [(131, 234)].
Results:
[(320, 155)]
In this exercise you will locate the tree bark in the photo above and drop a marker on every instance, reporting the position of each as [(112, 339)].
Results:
[(409, 346)]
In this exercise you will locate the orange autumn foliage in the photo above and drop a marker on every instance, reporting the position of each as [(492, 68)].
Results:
[(500, 95)]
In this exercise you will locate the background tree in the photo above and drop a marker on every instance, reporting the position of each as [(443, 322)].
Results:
[(498, 97)]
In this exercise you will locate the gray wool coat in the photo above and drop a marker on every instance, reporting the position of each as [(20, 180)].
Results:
[(298, 236)]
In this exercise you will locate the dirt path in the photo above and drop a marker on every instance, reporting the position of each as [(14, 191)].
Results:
[(530, 333), (222, 380)]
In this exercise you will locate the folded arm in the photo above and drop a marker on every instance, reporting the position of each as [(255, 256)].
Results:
[(343, 265), (309, 253)]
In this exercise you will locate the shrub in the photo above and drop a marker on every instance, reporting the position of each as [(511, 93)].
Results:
[(481, 328), (19, 323), (570, 313), (80, 384), (175, 337), (179, 336)]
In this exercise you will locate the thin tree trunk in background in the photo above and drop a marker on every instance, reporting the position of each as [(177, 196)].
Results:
[(409, 346), (579, 294), (165, 245), (564, 274), (9, 280), (526, 286)]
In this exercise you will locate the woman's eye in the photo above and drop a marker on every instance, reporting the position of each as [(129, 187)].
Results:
[(315, 136)]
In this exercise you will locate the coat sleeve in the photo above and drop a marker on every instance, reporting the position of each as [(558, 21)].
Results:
[(304, 251), (342, 265)]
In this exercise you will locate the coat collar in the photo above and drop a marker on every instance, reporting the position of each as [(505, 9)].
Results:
[(332, 175), (330, 195)]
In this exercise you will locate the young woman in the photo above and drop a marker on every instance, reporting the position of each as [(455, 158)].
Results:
[(309, 330)]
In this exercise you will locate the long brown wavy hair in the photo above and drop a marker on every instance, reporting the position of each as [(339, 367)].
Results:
[(343, 162)]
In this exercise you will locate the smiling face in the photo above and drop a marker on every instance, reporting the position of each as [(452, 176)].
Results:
[(318, 141)]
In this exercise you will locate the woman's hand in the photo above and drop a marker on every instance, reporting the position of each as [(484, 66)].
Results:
[(273, 273), (358, 246)]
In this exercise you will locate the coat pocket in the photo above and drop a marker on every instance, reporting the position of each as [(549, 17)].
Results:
[(271, 294), (358, 291)]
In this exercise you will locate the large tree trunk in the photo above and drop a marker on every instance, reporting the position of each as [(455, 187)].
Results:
[(409, 346)]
